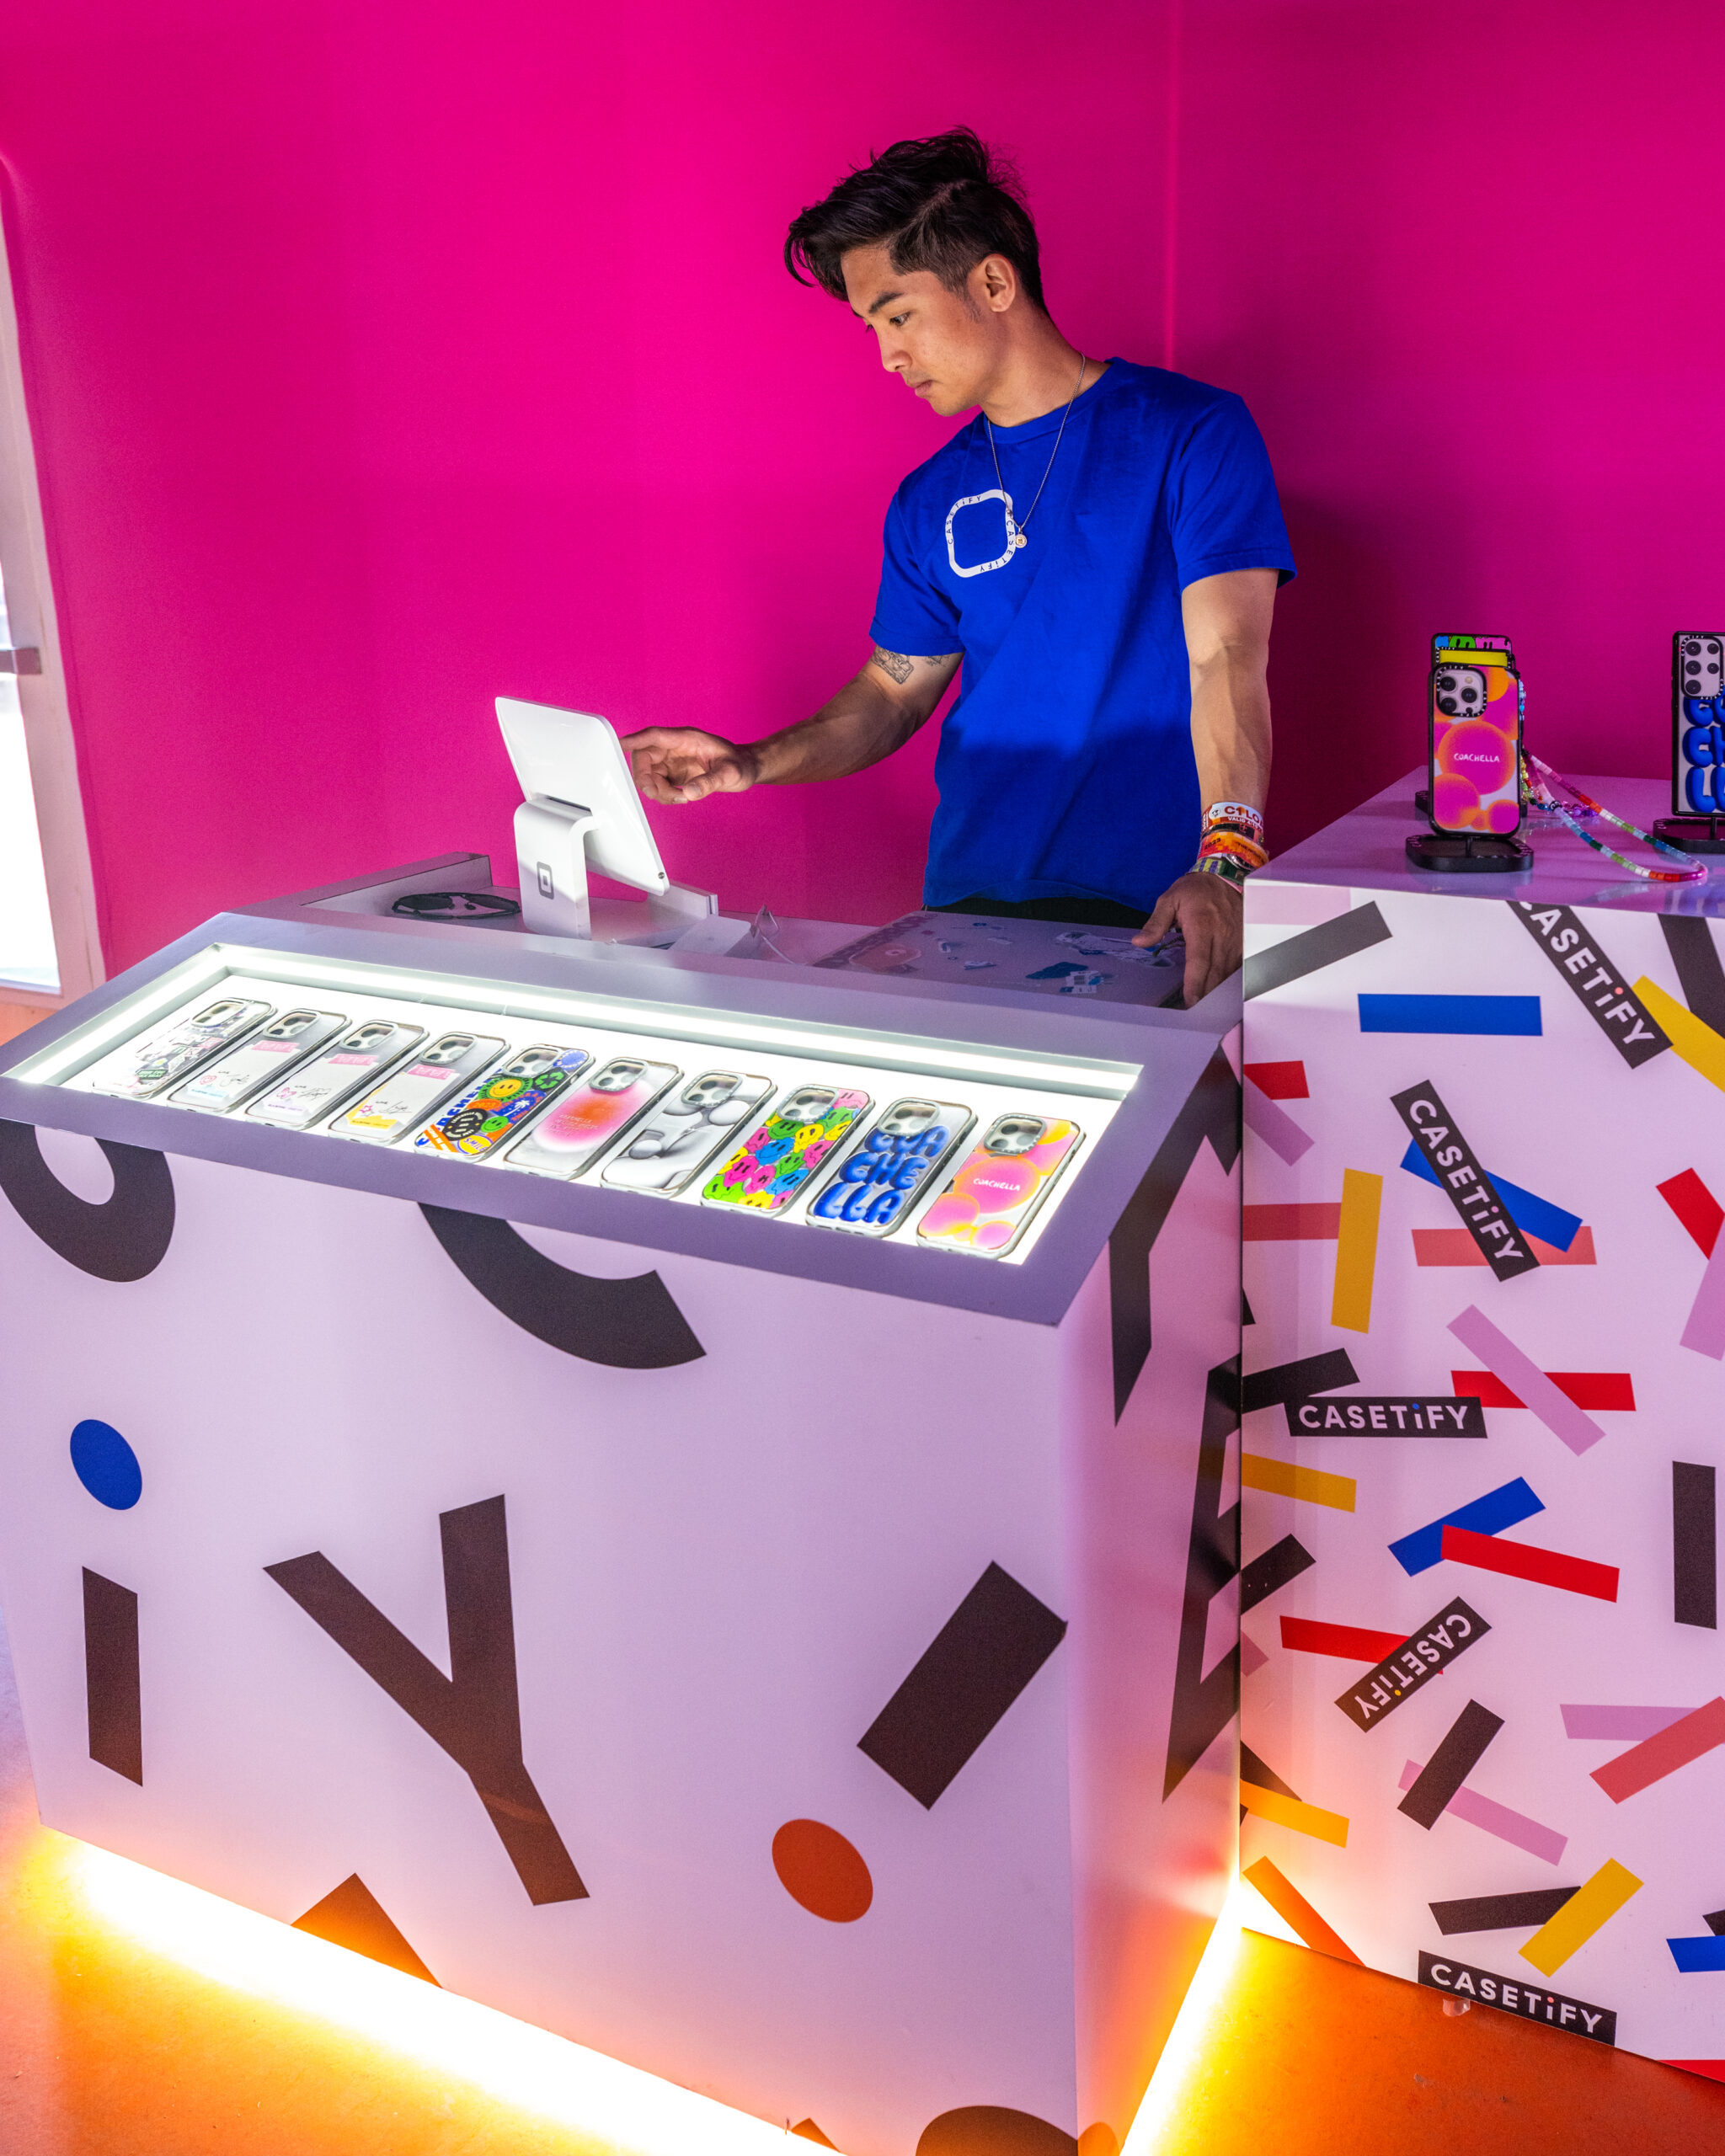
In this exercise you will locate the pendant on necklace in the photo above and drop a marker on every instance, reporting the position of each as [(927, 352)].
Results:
[(1019, 540)]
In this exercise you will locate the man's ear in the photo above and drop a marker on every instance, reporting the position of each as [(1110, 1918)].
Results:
[(994, 284)]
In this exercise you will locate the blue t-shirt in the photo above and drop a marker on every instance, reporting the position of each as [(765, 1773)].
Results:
[(1065, 766)]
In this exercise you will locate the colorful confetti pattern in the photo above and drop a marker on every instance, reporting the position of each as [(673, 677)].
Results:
[(1545, 1797)]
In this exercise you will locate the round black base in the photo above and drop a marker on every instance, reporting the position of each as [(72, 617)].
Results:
[(1693, 834), (1441, 854)]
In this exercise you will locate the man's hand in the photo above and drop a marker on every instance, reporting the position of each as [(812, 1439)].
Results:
[(681, 763), (1211, 913)]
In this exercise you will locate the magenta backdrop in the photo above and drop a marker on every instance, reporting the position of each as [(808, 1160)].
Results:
[(386, 358)]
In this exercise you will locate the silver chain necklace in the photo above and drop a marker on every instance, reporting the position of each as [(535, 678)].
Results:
[(1015, 530)]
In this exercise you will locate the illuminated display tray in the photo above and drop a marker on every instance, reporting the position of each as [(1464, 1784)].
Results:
[(1120, 1079)]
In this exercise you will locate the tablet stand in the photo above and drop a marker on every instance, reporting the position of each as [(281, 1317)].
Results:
[(1447, 853)]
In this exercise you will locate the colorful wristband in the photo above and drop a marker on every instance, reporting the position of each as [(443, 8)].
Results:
[(1223, 865)]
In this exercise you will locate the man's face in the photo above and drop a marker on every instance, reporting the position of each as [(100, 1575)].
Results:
[(945, 346)]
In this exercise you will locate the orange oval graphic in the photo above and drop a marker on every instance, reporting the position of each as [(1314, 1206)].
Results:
[(819, 1869)]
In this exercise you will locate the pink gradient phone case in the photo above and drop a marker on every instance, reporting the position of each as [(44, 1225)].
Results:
[(566, 1137), (988, 1203)]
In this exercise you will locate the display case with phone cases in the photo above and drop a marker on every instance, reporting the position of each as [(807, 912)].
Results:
[(788, 1390)]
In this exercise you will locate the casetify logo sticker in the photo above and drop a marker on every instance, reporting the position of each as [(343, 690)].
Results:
[(1406, 1416), (1465, 1182), (1414, 1664), (1532, 2001), (1598, 985)]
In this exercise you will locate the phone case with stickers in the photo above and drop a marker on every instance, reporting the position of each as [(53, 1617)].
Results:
[(416, 1089), (672, 1145), (570, 1136), (149, 1067), (497, 1109), (871, 1188), (263, 1061), (321, 1086), (775, 1162), (999, 1185)]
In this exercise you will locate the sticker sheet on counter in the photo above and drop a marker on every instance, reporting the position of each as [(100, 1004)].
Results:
[(1483, 1695), (1037, 958)]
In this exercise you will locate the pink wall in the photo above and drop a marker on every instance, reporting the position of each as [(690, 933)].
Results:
[(386, 358)]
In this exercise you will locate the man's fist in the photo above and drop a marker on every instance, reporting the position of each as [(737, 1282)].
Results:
[(681, 763), (1211, 913)]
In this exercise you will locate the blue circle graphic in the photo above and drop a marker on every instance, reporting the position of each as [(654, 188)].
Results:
[(107, 1465)]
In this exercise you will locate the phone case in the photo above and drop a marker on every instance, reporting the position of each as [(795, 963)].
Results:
[(265, 1059), (497, 1109), (154, 1064), (1474, 752), (567, 1138), (766, 1172), (1698, 723), (874, 1186), (337, 1074), (683, 1133), (416, 1090), (991, 1199)]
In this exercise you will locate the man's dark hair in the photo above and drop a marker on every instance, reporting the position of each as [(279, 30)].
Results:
[(943, 203)]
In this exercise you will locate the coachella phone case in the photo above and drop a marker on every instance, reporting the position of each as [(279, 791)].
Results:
[(1475, 718), (1698, 723), (263, 1060), (683, 1133), (485, 1116), (566, 1137), (141, 1070), (876, 1183), (337, 1074), (999, 1184), (418, 1089), (776, 1160)]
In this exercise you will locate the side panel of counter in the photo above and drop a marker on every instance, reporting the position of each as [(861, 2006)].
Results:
[(1480, 1705), (736, 1713)]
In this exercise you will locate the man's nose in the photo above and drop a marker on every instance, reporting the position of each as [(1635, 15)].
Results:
[(893, 356)]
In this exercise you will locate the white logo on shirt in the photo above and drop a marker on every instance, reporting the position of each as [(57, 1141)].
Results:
[(981, 569)]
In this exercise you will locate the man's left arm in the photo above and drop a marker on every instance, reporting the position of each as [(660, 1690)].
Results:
[(1227, 621)]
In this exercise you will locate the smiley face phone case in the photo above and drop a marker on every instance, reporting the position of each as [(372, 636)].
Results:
[(567, 1138), (873, 1187), (483, 1117), (138, 1071), (1474, 713), (998, 1185), (775, 1162), (672, 1145)]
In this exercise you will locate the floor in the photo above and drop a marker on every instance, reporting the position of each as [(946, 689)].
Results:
[(138, 2018)]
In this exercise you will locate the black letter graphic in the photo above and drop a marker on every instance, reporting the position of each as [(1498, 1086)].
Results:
[(626, 1324), (474, 1713), (121, 1239), (1203, 1706), (116, 1712)]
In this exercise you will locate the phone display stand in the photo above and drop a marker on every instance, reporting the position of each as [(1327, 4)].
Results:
[(1693, 833), (1448, 853), (581, 807), (1423, 801)]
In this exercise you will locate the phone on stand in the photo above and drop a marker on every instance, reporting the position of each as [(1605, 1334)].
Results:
[(416, 1089), (877, 1181), (999, 1185), (284, 1044), (567, 1138), (1697, 724), (153, 1065), (488, 1113), (775, 1162), (681, 1135), (1474, 716), (336, 1076)]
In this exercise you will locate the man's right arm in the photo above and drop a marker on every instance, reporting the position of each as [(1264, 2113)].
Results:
[(871, 716)]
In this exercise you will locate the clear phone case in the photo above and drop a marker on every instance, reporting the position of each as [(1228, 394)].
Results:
[(416, 1089), (147, 1067), (672, 1145), (570, 1136), (321, 1086), (265, 1059)]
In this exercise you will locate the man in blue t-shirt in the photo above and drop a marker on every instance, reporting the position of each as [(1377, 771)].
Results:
[(1099, 550)]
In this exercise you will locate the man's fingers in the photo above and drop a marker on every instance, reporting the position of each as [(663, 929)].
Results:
[(1159, 922), (1197, 984)]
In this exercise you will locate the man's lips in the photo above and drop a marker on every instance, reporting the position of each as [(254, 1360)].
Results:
[(921, 387)]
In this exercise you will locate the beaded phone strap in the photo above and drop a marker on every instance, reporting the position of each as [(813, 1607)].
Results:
[(1692, 871)]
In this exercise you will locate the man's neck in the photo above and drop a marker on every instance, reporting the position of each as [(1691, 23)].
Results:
[(1039, 374)]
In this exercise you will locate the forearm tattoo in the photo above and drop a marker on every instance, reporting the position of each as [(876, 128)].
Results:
[(901, 664)]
